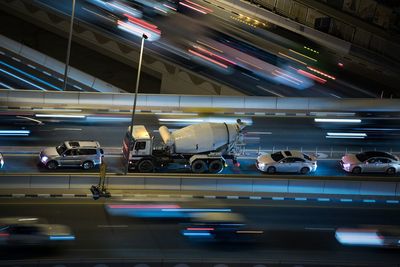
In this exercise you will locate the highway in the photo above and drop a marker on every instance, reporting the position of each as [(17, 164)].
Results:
[(296, 231), (263, 134), (180, 32), (19, 72)]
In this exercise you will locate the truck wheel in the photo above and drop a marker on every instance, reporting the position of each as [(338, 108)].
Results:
[(146, 165), (199, 166), (215, 166)]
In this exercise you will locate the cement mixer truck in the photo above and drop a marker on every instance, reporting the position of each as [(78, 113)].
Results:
[(202, 148)]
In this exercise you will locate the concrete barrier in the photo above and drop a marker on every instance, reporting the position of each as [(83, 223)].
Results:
[(199, 184), (378, 188), (118, 182), (117, 101), (306, 186), (342, 187), (256, 102), (12, 181), (235, 185), (82, 181), (67, 98), (195, 101), (55, 181), (270, 185), (162, 183)]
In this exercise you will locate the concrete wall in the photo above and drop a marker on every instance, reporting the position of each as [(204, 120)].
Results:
[(273, 184)]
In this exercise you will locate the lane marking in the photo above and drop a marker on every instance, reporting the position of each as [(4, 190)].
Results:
[(67, 129), (269, 91), (112, 226), (16, 59), (259, 133), (31, 66), (245, 74), (48, 74)]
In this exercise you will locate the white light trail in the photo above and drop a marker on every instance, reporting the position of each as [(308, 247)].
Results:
[(337, 120), (59, 116)]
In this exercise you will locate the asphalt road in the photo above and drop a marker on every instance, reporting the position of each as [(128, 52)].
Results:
[(265, 134), (180, 30), (296, 231), (19, 72)]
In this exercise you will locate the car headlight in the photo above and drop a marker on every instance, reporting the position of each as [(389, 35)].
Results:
[(44, 158), (1, 162), (261, 164), (346, 165)]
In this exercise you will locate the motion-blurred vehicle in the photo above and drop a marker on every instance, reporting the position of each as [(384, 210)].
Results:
[(374, 236), (371, 161), (85, 154), (1, 161), (287, 161), (219, 226), (118, 7), (30, 231)]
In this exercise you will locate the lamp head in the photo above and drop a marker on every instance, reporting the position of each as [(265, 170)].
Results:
[(144, 36)]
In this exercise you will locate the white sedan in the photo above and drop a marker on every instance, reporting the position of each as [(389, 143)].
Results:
[(287, 161)]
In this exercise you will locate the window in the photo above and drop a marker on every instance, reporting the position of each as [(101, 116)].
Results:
[(307, 157), (277, 156), (383, 160), (87, 151), (140, 145), (373, 160), (298, 160), (70, 152)]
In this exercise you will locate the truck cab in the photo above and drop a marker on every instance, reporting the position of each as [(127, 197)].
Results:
[(141, 143)]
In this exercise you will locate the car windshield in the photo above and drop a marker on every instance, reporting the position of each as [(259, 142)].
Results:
[(61, 149), (277, 156)]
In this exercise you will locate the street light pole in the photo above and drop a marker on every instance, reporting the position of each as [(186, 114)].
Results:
[(69, 47), (144, 37)]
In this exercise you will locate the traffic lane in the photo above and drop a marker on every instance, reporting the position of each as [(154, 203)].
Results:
[(100, 234), (264, 133), (36, 74), (208, 72), (30, 163)]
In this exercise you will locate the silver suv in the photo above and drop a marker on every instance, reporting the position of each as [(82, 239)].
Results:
[(85, 154)]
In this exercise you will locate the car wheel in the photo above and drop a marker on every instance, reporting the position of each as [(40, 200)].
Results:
[(51, 165), (199, 166), (304, 170), (271, 169), (356, 170), (391, 171), (87, 165)]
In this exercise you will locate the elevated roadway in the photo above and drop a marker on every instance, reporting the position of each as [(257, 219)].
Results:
[(294, 233), (178, 80)]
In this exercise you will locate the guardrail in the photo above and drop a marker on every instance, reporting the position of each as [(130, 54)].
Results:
[(358, 186), (120, 101)]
